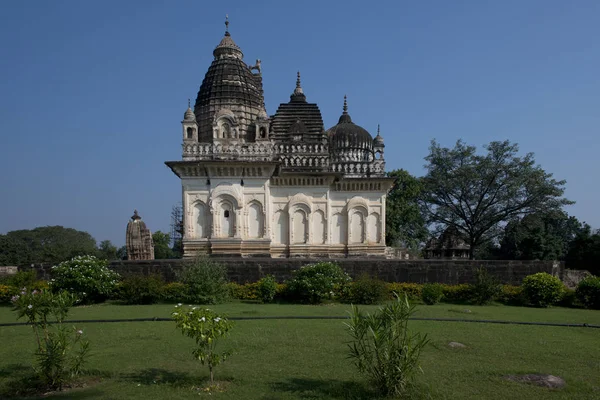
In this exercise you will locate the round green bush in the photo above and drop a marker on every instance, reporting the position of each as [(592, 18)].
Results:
[(542, 289), (267, 289), (365, 290), (314, 283), (206, 281), (87, 277), (137, 289), (588, 292), (432, 293)]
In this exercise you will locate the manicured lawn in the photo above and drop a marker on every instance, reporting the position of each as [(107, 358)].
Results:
[(306, 359)]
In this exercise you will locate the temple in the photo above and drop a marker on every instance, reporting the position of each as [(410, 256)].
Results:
[(138, 239), (280, 185)]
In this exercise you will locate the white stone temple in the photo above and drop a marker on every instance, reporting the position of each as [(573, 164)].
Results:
[(279, 186)]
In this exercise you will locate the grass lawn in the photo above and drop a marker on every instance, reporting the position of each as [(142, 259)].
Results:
[(306, 359)]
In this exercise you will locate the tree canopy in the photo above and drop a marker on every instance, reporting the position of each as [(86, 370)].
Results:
[(477, 193), (404, 223), (539, 236), (47, 244), (161, 245)]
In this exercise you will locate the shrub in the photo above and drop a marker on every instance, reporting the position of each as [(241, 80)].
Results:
[(542, 289), (6, 293), (588, 292), (314, 283), (511, 295), (205, 327), (61, 351), (206, 280), (21, 279), (267, 289), (136, 289), (569, 299), (412, 290), (365, 290), (87, 277), (486, 287), (457, 293), (247, 291), (432, 293), (383, 348), (174, 292)]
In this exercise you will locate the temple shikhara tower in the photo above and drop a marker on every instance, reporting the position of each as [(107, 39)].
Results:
[(280, 186), (138, 239)]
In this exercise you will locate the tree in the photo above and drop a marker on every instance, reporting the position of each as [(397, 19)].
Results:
[(477, 193), (539, 236), (122, 253), (47, 244), (584, 251), (161, 245), (404, 221), (107, 250)]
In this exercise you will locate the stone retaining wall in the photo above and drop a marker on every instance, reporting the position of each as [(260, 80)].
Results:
[(243, 270)]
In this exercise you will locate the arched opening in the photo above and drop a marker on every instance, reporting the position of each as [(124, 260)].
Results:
[(373, 228), (300, 224), (255, 221), (318, 227), (201, 225), (339, 229), (263, 132), (190, 133), (281, 235), (357, 227), (227, 219)]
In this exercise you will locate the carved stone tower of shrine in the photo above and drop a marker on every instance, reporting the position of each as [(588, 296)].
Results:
[(138, 239), (279, 186)]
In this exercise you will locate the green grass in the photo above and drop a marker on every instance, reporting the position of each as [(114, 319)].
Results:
[(307, 359)]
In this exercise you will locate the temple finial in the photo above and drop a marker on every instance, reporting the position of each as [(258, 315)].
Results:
[(298, 92), (378, 130), (189, 105), (226, 24), (345, 105)]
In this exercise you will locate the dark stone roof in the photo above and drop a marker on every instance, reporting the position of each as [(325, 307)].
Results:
[(346, 135), (227, 82), (297, 117)]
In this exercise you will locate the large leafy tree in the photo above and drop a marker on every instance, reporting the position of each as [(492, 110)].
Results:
[(47, 244), (584, 251), (404, 222), (477, 193), (107, 250), (539, 236), (161, 245)]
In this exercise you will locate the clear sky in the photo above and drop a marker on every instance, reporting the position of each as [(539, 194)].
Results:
[(92, 92)]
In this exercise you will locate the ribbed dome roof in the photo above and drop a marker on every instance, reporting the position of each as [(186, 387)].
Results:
[(189, 114), (346, 135), (378, 141), (227, 82)]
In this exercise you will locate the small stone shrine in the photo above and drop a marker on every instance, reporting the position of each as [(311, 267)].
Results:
[(279, 186), (138, 239), (450, 245)]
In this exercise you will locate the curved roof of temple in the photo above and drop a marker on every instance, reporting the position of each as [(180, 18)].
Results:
[(229, 88), (297, 120), (351, 146), (233, 124)]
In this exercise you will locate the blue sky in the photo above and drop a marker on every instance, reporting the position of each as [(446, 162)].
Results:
[(92, 93)]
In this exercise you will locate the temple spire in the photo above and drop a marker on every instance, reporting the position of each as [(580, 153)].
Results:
[(298, 89), (345, 117), (298, 95)]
